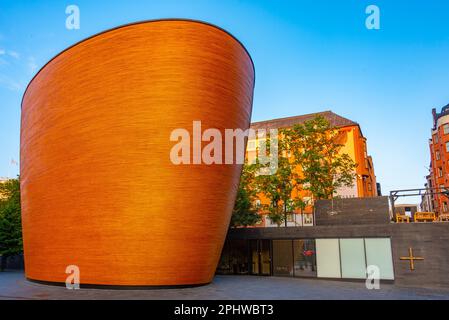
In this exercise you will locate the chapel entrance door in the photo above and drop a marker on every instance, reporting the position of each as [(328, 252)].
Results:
[(260, 257)]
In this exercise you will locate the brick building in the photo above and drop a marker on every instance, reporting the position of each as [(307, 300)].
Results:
[(439, 160)]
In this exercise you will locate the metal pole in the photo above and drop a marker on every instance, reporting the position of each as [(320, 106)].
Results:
[(392, 206)]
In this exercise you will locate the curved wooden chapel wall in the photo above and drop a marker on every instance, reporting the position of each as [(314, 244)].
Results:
[(98, 188)]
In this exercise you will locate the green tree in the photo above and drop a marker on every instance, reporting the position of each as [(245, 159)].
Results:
[(309, 158), (317, 151), (245, 212), (10, 220), (281, 187)]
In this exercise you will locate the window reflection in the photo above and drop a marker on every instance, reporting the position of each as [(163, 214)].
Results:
[(304, 258), (234, 258), (282, 258)]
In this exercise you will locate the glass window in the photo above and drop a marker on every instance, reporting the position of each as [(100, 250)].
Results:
[(265, 257), (447, 146), (328, 258), (260, 257), (308, 219), (283, 258), (251, 156), (440, 172), (254, 256), (437, 155), (378, 253), (435, 138), (224, 265), (239, 256), (261, 143), (304, 258), (353, 265), (446, 128), (251, 145), (234, 258), (271, 222)]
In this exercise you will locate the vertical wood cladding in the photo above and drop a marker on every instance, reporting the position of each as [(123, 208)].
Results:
[(98, 188)]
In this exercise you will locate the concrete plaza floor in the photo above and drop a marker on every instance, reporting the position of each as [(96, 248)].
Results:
[(14, 286)]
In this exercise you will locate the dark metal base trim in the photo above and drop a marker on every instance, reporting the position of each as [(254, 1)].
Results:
[(119, 287)]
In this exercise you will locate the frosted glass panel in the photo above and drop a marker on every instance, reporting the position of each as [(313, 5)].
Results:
[(353, 264), (328, 258), (378, 253)]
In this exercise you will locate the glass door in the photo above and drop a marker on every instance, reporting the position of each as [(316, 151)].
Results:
[(254, 251), (260, 257), (265, 257)]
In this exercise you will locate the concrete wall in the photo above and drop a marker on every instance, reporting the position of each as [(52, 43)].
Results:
[(352, 211), (428, 240)]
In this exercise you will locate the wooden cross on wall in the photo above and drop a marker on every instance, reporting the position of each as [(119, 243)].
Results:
[(411, 258)]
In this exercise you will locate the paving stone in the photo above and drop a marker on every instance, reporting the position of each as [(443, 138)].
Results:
[(13, 285)]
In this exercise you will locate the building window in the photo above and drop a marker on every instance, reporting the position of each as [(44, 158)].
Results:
[(352, 258), (282, 258), (252, 157), (348, 258), (444, 206), (440, 172), (447, 146), (437, 155), (251, 145), (271, 222), (435, 138), (369, 186), (304, 258), (446, 128), (308, 219)]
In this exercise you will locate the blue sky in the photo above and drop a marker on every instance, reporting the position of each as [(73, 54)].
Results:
[(309, 56)]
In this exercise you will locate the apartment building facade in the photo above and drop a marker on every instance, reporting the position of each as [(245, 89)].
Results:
[(354, 144), (439, 161)]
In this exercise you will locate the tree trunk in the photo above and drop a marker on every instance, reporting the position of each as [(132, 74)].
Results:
[(285, 215)]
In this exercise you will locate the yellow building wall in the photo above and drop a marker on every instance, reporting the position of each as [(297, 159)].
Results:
[(354, 144)]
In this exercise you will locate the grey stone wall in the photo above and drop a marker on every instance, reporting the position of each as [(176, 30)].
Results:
[(352, 211), (428, 240)]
